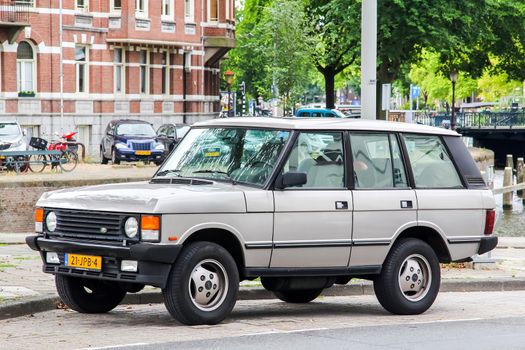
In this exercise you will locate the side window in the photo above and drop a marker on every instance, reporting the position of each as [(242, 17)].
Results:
[(431, 163), (304, 115), (109, 129), (161, 131), (170, 131), (377, 161), (321, 157)]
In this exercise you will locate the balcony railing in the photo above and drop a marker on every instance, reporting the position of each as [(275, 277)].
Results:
[(15, 11)]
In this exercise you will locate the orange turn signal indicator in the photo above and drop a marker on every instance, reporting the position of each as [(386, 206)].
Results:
[(150, 222), (39, 215), (173, 238)]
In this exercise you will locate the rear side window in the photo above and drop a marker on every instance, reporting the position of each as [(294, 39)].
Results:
[(431, 164), (377, 161), (304, 114)]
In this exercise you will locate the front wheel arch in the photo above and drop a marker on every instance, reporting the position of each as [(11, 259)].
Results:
[(225, 239)]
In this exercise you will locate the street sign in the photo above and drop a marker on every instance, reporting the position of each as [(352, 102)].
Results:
[(416, 91), (385, 96)]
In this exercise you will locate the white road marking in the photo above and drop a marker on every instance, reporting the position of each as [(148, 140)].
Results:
[(115, 346)]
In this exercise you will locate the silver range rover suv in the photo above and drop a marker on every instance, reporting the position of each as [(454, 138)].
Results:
[(301, 203)]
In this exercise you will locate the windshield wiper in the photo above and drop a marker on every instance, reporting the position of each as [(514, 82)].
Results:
[(208, 171), (168, 171)]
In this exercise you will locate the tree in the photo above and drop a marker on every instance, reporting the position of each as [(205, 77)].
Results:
[(334, 33)]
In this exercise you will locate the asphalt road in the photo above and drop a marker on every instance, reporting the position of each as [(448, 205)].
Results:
[(484, 320)]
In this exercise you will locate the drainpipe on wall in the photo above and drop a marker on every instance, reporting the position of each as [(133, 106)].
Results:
[(61, 72), (184, 108)]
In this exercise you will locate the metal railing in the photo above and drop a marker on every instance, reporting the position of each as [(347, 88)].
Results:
[(475, 120), (15, 11)]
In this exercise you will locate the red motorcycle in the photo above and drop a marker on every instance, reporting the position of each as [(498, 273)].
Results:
[(67, 160)]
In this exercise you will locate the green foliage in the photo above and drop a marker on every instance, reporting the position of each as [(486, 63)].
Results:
[(493, 87)]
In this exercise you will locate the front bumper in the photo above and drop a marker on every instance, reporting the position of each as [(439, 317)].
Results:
[(131, 156), (154, 260)]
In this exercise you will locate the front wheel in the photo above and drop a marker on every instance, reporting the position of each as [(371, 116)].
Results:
[(89, 295), (298, 296), (410, 278), (203, 285), (68, 161)]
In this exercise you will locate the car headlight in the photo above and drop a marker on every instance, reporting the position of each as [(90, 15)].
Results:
[(159, 147), (121, 146), (131, 227), (18, 143), (51, 221)]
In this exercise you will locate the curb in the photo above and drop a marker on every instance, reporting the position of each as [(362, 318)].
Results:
[(48, 303)]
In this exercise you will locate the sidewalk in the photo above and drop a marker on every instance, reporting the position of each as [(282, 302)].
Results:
[(25, 289)]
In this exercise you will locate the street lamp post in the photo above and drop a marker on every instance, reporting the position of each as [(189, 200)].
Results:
[(228, 75), (453, 78)]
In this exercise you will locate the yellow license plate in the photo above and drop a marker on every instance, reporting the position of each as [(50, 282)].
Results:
[(143, 153), (88, 262), (2, 157)]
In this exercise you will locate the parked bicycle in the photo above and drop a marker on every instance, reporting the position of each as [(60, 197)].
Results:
[(67, 159)]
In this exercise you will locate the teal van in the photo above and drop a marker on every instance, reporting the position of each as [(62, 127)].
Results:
[(319, 113)]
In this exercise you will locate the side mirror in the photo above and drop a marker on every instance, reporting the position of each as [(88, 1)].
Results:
[(291, 179), (24, 132)]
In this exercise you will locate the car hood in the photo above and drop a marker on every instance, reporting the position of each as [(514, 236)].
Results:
[(144, 197), (10, 138)]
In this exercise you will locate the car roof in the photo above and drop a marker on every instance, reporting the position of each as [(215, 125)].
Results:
[(310, 109), (129, 121), (10, 121), (325, 124)]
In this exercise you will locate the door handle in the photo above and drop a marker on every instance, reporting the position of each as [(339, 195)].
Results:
[(341, 205), (406, 204)]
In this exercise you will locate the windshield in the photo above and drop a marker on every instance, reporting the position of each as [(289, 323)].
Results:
[(181, 131), (231, 154), (9, 129), (136, 129)]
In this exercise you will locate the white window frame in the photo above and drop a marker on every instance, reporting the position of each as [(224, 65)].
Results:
[(210, 19), (141, 12), (20, 70), (113, 8), (147, 75), (86, 71), (227, 5), (122, 67), (82, 8), (189, 10), (169, 15), (167, 73)]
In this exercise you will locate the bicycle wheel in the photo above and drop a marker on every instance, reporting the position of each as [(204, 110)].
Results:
[(37, 163), (68, 161)]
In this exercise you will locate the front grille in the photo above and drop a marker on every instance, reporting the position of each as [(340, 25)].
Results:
[(91, 225), (141, 146)]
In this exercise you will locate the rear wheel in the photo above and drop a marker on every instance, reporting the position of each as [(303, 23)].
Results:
[(298, 296), (203, 284), (68, 161), (89, 295), (410, 278)]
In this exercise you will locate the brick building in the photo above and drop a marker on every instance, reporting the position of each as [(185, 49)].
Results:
[(156, 60)]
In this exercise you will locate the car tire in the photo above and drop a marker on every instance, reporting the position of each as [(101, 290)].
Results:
[(298, 296), (410, 278), (89, 295), (103, 160), (189, 294), (114, 158)]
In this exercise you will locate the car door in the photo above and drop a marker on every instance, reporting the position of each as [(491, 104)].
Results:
[(313, 223), (384, 204)]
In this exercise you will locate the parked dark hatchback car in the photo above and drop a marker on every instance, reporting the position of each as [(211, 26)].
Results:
[(171, 134), (130, 141)]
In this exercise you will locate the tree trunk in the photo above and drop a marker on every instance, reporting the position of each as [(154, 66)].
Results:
[(329, 85)]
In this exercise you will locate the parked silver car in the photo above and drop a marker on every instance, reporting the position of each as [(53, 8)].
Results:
[(301, 203)]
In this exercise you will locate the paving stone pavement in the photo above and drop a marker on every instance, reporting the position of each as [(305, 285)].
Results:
[(23, 284)]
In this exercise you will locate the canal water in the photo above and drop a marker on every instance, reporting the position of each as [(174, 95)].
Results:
[(509, 223)]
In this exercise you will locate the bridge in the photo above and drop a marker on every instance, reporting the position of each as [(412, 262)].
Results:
[(501, 132)]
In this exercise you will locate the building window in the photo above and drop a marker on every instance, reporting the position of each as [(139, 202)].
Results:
[(167, 9), (116, 5), (144, 71), (119, 77), (82, 5), (165, 72), (81, 68), (25, 67), (213, 10), (25, 2), (227, 4), (189, 10), (141, 7)]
